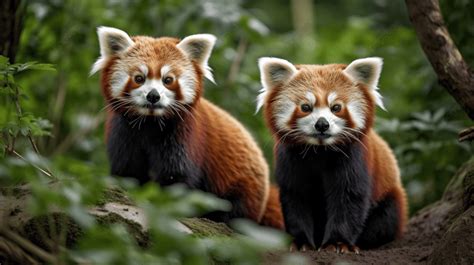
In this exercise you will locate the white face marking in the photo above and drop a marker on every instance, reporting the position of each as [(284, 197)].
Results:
[(283, 112), (311, 98), (187, 83), (121, 76), (307, 123), (165, 70), (331, 97), (356, 111), (143, 69), (118, 81), (138, 96)]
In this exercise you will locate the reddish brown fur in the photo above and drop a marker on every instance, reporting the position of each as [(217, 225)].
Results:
[(273, 216), (234, 162), (382, 166)]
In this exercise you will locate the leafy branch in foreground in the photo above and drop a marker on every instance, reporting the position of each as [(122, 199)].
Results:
[(60, 223), (23, 124)]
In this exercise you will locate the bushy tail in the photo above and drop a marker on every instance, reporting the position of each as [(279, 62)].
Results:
[(273, 216)]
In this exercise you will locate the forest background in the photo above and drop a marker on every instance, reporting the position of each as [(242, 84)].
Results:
[(421, 122)]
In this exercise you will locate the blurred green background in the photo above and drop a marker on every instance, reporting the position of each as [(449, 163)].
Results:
[(421, 123)]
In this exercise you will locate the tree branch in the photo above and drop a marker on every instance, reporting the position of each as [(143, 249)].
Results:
[(15, 253), (28, 246), (11, 19), (466, 134), (237, 61), (44, 171), (453, 72)]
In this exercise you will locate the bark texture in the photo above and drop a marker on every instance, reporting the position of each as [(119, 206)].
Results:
[(453, 72), (11, 21)]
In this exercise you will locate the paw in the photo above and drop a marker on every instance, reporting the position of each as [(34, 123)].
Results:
[(341, 248), (293, 247), (303, 248)]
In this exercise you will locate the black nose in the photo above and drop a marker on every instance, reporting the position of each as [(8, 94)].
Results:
[(153, 96), (322, 125)]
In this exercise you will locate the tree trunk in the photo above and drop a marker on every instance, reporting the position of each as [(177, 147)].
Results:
[(453, 72), (302, 13), (11, 19)]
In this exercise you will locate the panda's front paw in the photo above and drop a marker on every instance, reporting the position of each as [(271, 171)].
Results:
[(341, 248)]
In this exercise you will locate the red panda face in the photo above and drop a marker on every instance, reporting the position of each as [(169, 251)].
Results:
[(152, 76), (319, 104)]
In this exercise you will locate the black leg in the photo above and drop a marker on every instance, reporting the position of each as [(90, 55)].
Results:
[(381, 225), (347, 207), (298, 217)]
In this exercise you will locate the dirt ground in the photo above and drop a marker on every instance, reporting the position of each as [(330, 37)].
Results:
[(432, 237)]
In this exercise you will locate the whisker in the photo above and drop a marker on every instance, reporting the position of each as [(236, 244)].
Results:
[(182, 107), (115, 105), (175, 111), (141, 120), (338, 150), (354, 130), (162, 123), (348, 134), (309, 146)]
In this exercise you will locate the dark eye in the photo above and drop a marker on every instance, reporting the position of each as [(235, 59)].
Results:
[(139, 79), (336, 108), (306, 108), (168, 80)]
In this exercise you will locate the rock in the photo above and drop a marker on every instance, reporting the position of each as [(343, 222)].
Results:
[(457, 244)]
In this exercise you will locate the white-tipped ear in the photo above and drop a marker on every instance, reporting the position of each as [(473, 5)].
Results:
[(367, 71), (273, 72), (198, 48), (112, 41)]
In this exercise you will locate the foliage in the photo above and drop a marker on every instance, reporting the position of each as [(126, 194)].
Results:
[(421, 123), (425, 136), (456, 22), (25, 124)]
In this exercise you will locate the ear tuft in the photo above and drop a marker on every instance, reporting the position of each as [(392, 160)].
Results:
[(198, 48), (112, 41), (367, 71), (273, 72)]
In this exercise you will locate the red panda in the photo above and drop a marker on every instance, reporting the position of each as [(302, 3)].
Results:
[(160, 128), (339, 181)]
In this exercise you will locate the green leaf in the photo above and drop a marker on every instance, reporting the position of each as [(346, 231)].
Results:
[(42, 67), (24, 131), (21, 67), (3, 62), (24, 96), (3, 147)]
